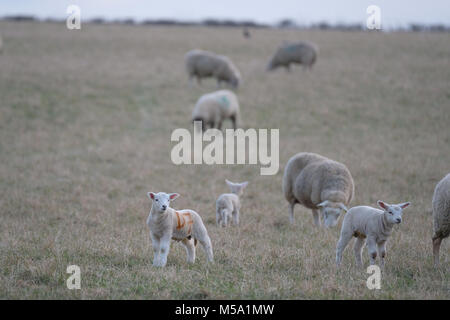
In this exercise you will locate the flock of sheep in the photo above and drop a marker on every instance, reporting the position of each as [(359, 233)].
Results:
[(323, 185)]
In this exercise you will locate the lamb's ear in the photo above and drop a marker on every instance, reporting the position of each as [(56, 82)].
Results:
[(323, 204), (151, 195), (173, 196), (404, 205), (343, 207), (244, 184), (382, 205), (229, 182)]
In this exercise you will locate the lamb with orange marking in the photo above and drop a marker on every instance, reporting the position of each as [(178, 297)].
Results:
[(168, 224)]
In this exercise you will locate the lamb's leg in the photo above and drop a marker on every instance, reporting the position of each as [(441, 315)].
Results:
[(316, 217), (436, 246), (344, 239), (218, 217), (236, 216), (288, 68), (156, 251), (234, 120), (190, 249), (207, 246), (359, 244), (372, 249), (382, 252), (164, 251), (219, 83), (291, 212)]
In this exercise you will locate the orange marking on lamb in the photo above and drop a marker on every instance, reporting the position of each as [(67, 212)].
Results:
[(179, 225), (190, 221)]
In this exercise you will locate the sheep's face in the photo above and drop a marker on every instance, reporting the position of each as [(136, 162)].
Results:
[(161, 200), (331, 211), (393, 212), (237, 188)]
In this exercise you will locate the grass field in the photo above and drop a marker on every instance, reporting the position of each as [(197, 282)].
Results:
[(85, 124)]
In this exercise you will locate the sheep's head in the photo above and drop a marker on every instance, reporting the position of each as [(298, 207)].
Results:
[(393, 212), (161, 200), (235, 81), (331, 211), (237, 188), (271, 65)]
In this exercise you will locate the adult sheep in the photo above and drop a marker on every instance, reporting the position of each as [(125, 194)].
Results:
[(304, 53), (318, 183), (213, 108), (204, 64), (441, 215)]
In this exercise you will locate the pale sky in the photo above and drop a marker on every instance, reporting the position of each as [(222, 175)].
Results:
[(394, 13)]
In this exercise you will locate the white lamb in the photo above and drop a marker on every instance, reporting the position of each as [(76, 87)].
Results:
[(166, 223), (228, 204), (366, 222), (441, 215)]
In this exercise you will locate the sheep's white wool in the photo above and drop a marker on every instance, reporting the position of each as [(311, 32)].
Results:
[(318, 183)]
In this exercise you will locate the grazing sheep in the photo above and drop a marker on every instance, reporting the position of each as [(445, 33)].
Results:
[(166, 223), (213, 108), (303, 53), (228, 204), (246, 33), (203, 64), (441, 215), (374, 224), (318, 183)]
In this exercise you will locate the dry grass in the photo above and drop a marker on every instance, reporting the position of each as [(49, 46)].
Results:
[(85, 124)]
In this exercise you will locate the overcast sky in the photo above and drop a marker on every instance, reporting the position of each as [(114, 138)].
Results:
[(393, 12)]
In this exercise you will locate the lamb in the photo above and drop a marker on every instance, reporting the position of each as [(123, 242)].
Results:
[(213, 108), (203, 64), (374, 224), (166, 223), (441, 215), (228, 204), (304, 53), (320, 184)]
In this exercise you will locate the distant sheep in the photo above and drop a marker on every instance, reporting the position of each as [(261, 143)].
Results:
[(246, 33), (366, 222), (1, 45), (303, 53), (213, 108), (441, 215), (318, 183), (203, 64), (166, 223), (228, 204)]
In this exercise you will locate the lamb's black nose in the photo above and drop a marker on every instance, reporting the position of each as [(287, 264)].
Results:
[(164, 207), (399, 220)]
